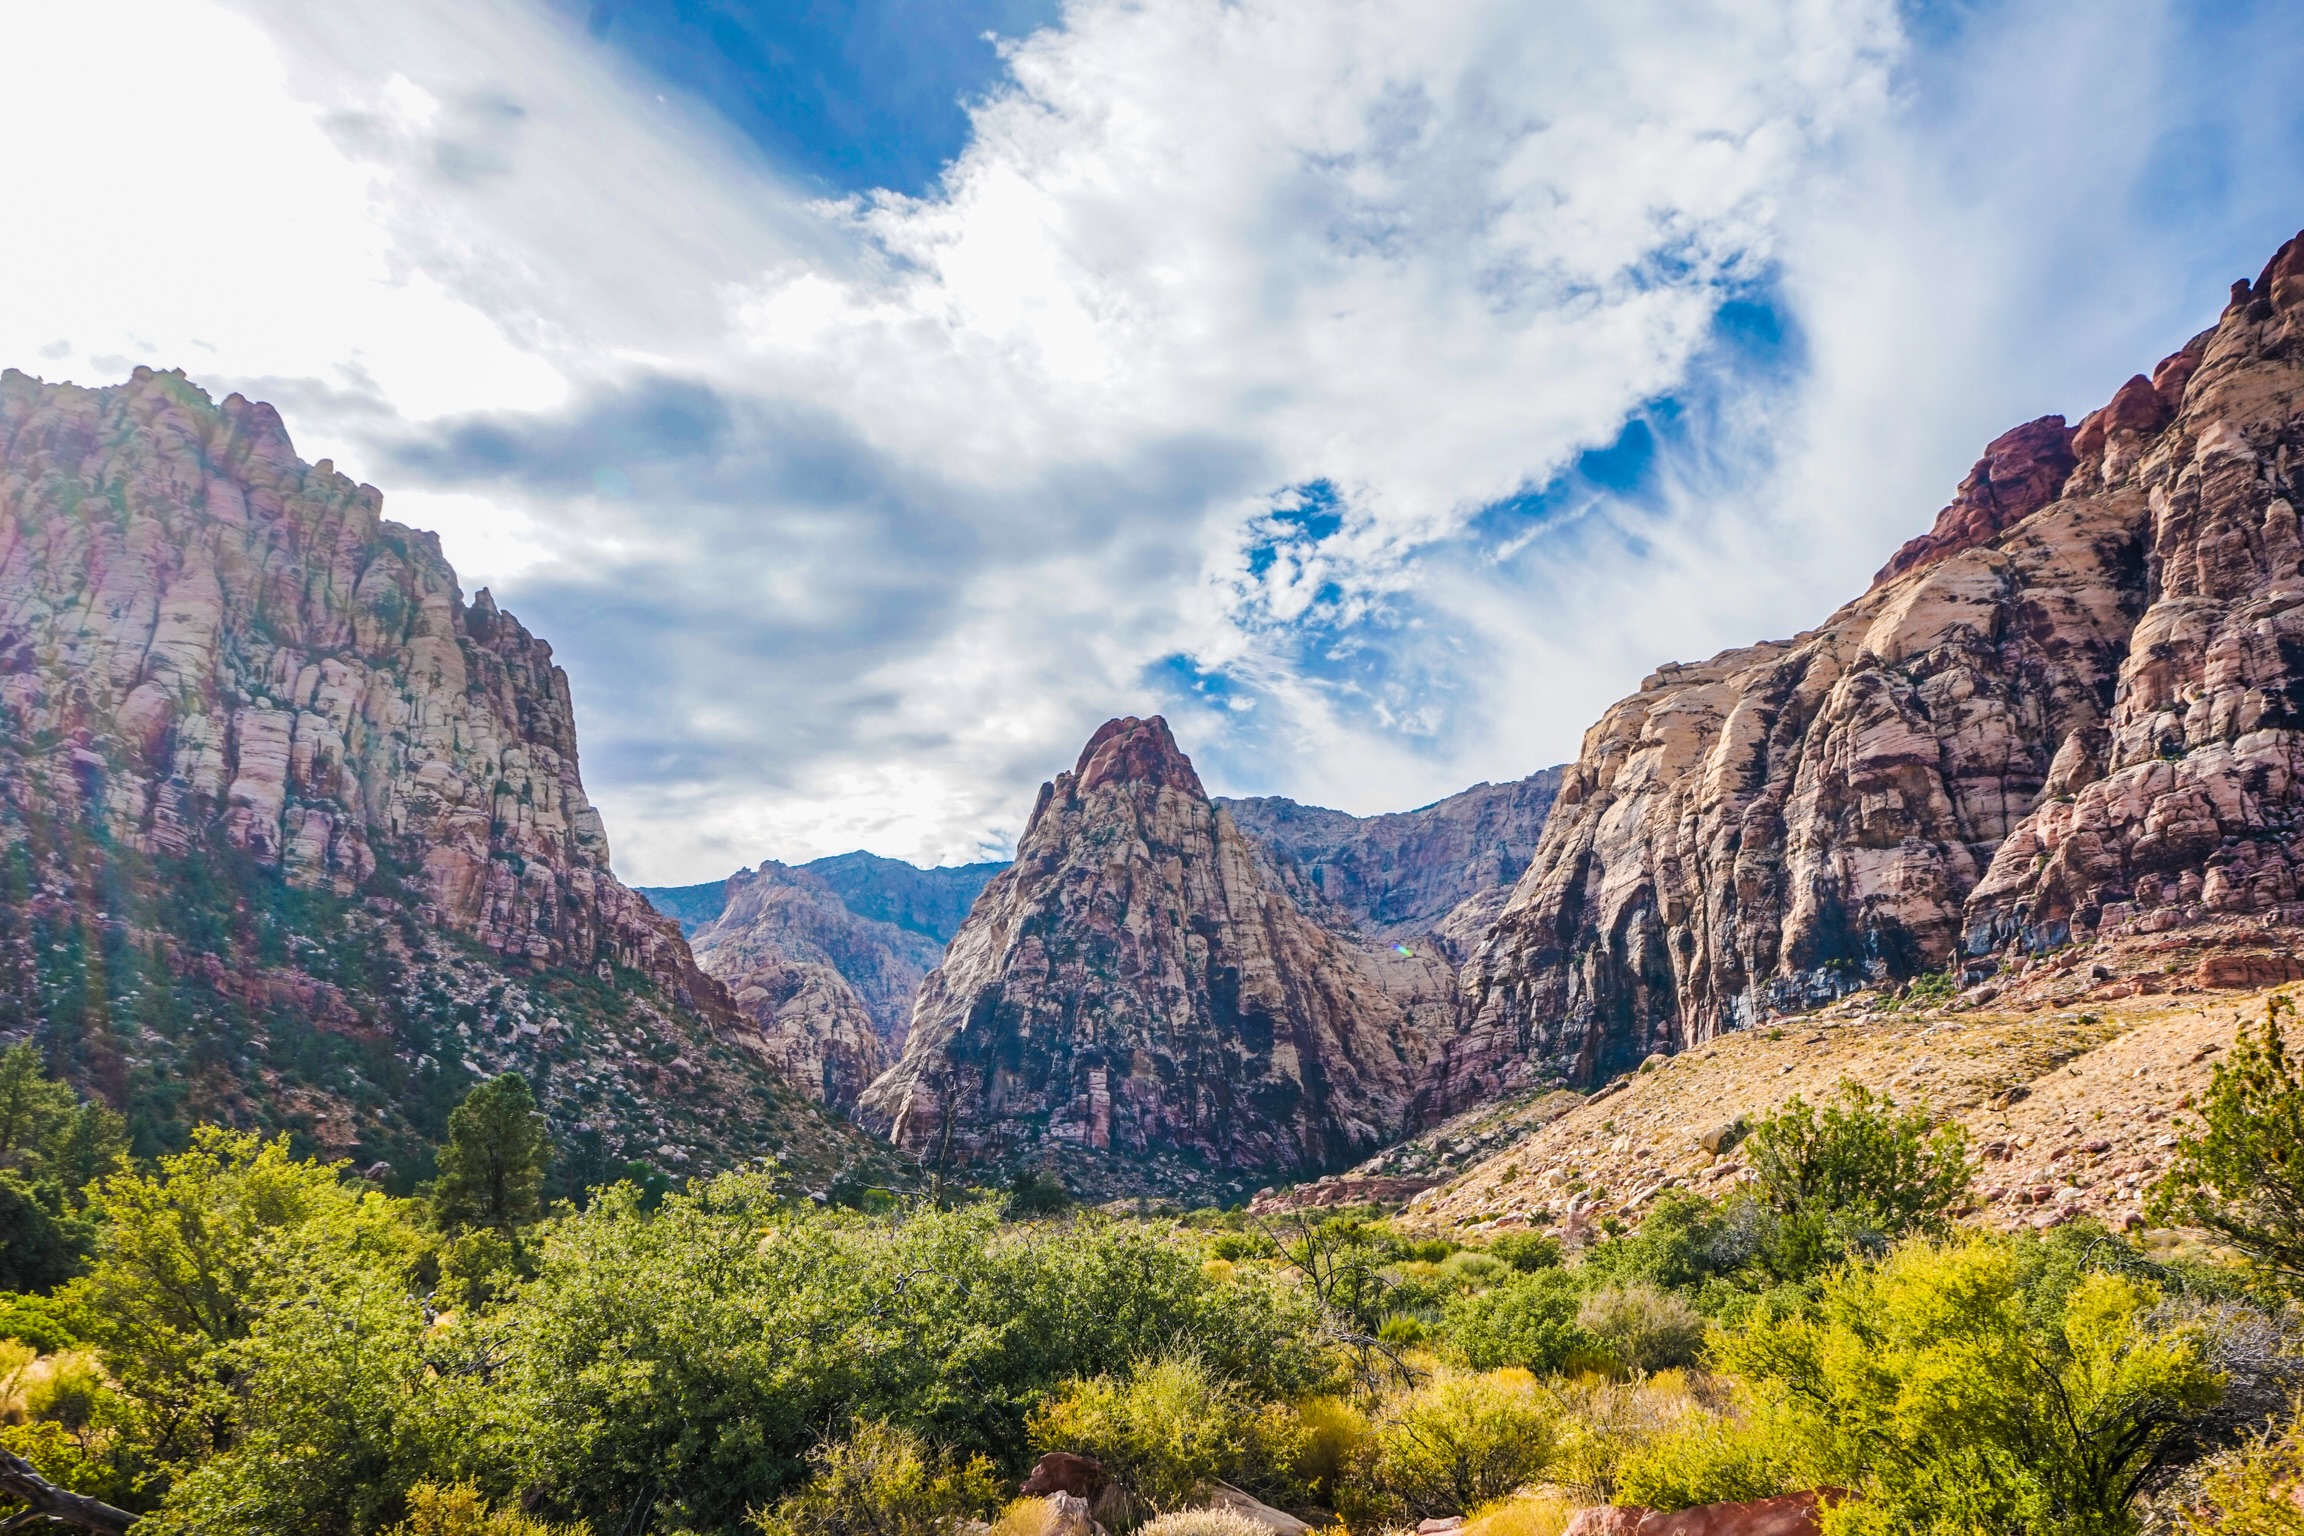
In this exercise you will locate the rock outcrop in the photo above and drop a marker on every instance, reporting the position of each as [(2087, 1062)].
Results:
[(296, 834), (826, 958), (2072, 708), (1138, 1003), (1440, 873)]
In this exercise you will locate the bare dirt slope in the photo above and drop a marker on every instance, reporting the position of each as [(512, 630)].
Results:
[(2069, 1113)]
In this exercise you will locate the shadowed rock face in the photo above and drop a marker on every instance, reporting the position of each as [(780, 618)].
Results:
[(2072, 706), (297, 831), (1440, 873), (1138, 1002)]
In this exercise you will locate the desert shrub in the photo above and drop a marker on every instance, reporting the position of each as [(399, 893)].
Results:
[(1203, 1522), (458, 1509), (1856, 1174), (1644, 1328), (1458, 1441), (1603, 1423), (1524, 1514), (1685, 1241), (1756, 1452), (886, 1481), (2242, 1176), (1528, 1322), (2253, 1490), (70, 1390), (1526, 1251), (1333, 1435), (1971, 1387), (1169, 1426)]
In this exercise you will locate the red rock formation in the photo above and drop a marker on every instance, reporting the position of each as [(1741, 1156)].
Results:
[(2090, 717), (297, 836), (1788, 1514), (1138, 1002)]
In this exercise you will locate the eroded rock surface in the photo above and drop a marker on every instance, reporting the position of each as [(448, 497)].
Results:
[(1138, 1002), (297, 833), (1440, 873), (2071, 708)]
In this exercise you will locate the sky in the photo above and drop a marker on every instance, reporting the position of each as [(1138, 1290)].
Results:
[(867, 398)]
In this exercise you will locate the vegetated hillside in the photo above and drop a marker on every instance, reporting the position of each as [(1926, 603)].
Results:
[(2070, 1112), (1440, 873), (2074, 708), (294, 835), (1139, 1005)]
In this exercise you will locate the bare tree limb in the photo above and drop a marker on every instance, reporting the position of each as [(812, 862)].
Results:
[(19, 1480)]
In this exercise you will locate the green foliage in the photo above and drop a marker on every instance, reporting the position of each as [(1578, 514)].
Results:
[(886, 1481), (40, 1321), (2242, 1177), (1167, 1427), (461, 1510), (51, 1147), (1858, 1173), (1758, 1451), (1526, 1251), (2251, 1491), (694, 1355), (1528, 1322), (1036, 1192), (1974, 1387), (1459, 1441), (1644, 1328), (492, 1168)]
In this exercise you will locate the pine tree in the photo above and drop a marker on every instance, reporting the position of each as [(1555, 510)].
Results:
[(492, 1169)]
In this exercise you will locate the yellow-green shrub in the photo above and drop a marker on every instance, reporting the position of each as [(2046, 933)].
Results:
[(1172, 1425), (1524, 1514), (886, 1481), (1753, 1452), (2257, 1490), (1646, 1329), (459, 1510), (1458, 1441)]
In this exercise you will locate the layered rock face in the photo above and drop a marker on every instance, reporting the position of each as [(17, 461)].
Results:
[(264, 773), (826, 958), (2070, 707), (1440, 873), (1138, 1002)]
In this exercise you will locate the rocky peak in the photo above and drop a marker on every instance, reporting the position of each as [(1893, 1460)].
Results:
[(2085, 721), (2021, 471), (1133, 751), (1138, 1002)]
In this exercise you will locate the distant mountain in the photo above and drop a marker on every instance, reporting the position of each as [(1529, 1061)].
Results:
[(296, 834), (1442, 871), (1139, 1003), (826, 957)]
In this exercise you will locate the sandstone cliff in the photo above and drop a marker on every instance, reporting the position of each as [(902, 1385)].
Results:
[(1439, 874), (296, 834), (1138, 1003), (2070, 708)]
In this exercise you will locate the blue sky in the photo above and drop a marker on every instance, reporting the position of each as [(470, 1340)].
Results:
[(867, 400)]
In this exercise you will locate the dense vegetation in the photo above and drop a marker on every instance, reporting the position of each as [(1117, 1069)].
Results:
[(234, 1339)]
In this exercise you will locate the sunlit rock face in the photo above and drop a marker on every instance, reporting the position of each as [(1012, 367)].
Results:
[(1138, 1002), (2073, 706), (297, 833)]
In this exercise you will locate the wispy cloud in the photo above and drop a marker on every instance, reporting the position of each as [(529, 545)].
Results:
[(1380, 388)]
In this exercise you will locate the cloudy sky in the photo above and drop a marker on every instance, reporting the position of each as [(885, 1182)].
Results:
[(869, 397)]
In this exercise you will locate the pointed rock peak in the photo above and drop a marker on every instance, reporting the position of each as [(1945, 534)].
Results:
[(2281, 283), (2022, 471), (1133, 751)]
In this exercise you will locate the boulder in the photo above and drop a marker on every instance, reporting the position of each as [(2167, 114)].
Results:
[(1788, 1514), (1226, 1497)]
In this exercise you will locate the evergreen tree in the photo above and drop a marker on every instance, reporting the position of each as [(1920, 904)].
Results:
[(2242, 1176), (492, 1169)]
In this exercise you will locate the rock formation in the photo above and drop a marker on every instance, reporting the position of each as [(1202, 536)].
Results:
[(1138, 1003), (826, 958), (2071, 708), (296, 835), (1440, 873)]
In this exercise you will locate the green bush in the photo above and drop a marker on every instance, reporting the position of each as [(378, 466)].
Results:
[(1528, 1322), (1857, 1175), (1457, 1442), (2242, 1176), (1756, 1452), (1644, 1328), (1526, 1251), (885, 1481), (1168, 1427), (461, 1510), (1979, 1387)]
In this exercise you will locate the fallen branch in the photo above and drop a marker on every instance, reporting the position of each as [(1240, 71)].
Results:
[(18, 1479)]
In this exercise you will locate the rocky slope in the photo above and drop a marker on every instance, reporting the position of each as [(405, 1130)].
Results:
[(826, 958), (2070, 709), (295, 835), (1138, 1003), (1441, 873)]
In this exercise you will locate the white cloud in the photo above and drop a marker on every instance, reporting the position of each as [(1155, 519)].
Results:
[(850, 520)]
